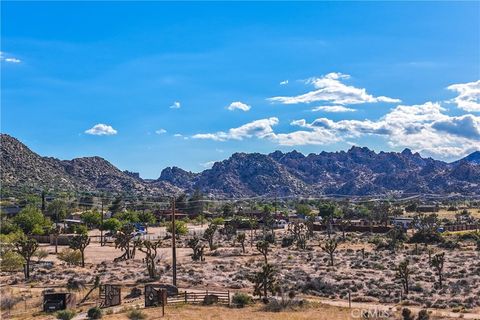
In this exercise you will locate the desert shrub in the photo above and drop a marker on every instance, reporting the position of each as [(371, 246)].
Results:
[(287, 242), (284, 302), (11, 261), (71, 257), (242, 299), (407, 314), (270, 238), (426, 237), (7, 302), (75, 284), (423, 315), (66, 314), (218, 221), (136, 315), (449, 244), (94, 313), (40, 254)]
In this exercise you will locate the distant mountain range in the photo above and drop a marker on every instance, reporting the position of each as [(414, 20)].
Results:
[(358, 171)]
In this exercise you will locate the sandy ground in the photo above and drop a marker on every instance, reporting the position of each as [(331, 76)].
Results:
[(370, 280)]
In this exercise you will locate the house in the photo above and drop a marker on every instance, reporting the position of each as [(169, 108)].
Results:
[(403, 222)]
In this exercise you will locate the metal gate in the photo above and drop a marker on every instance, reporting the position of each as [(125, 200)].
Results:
[(110, 295), (155, 296)]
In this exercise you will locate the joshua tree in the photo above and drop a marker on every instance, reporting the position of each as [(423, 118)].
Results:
[(123, 240), (56, 232), (209, 234), (241, 239), (197, 247), (150, 249), (299, 232), (80, 242), (329, 247), (437, 263), (395, 237), (264, 281), (262, 246), (96, 284), (26, 248), (403, 273)]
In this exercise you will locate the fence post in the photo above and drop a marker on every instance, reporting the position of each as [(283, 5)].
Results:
[(185, 296), (349, 299), (228, 298)]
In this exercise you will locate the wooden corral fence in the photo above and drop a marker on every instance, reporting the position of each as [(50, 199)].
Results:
[(200, 297), (356, 228), (461, 227)]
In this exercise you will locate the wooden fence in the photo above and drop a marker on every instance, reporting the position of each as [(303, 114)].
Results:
[(199, 297)]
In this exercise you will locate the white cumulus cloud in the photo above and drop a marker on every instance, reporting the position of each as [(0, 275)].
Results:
[(101, 130), (331, 88), (237, 105), (284, 82), (160, 131), (423, 128), (259, 128), (468, 97), (333, 109), (9, 59), (176, 105)]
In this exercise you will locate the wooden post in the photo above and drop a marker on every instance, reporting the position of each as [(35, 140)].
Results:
[(228, 298), (185, 296), (349, 299), (164, 300)]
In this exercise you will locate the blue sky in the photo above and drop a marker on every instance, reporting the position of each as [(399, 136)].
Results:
[(149, 85)]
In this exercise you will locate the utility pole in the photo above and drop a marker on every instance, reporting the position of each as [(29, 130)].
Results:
[(174, 249), (101, 225)]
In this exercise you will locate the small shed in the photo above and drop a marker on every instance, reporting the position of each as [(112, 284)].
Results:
[(54, 301)]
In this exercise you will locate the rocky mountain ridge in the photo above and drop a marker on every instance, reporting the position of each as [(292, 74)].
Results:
[(356, 172)]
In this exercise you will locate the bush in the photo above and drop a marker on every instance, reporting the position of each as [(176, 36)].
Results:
[(426, 237), (242, 299), (66, 314), (7, 302), (94, 313), (71, 257), (41, 254), (423, 315), (136, 315), (287, 242), (11, 261)]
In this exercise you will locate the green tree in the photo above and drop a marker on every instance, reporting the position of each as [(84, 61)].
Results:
[(57, 210), (80, 243), (32, 221), (26, 248), (180, 228), (303, 209), (112, 224), (128, 216), (147, 217), (92, 219)]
